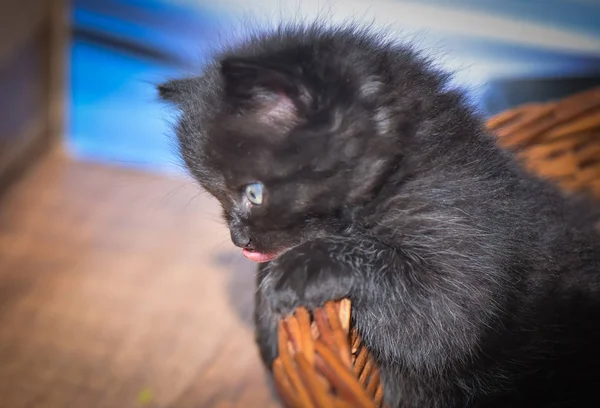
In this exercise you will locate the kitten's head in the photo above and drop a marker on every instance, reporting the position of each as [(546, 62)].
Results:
[(291, 132)]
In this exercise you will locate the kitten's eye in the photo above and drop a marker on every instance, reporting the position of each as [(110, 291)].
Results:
[(254, 193)]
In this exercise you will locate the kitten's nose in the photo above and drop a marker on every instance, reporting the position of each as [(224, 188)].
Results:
[(240, 237)]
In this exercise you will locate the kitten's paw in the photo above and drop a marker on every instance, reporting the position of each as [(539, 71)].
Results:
[(304, 276)]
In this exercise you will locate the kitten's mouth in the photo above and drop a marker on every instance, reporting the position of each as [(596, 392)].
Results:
[(259, 257)]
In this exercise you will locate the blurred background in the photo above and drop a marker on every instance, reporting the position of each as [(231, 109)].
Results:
[(118, 286), (505, 53)]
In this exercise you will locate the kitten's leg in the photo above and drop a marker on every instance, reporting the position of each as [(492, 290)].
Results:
[(310, 275), (265, 321), (411, 319)]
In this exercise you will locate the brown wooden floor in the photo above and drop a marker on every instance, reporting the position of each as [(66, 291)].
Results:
[(121, 289)]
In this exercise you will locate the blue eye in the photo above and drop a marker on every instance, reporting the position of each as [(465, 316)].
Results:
[(254, 193)]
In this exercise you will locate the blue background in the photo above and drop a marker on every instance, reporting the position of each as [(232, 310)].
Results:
[(115, 117)]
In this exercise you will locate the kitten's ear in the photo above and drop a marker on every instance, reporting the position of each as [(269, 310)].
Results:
[(272, 89), (176, 90)]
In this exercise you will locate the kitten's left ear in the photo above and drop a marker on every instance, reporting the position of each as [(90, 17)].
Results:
[(175, 90), (265, 85)]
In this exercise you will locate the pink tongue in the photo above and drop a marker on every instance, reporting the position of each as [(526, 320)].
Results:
[(257, 256)]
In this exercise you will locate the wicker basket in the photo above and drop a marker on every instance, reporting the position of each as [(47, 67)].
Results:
[(558, 140), (322, 362)]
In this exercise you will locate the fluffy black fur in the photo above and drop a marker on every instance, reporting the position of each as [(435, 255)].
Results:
[(473, 282)]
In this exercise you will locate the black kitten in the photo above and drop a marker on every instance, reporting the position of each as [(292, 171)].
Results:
[(347, 166)]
